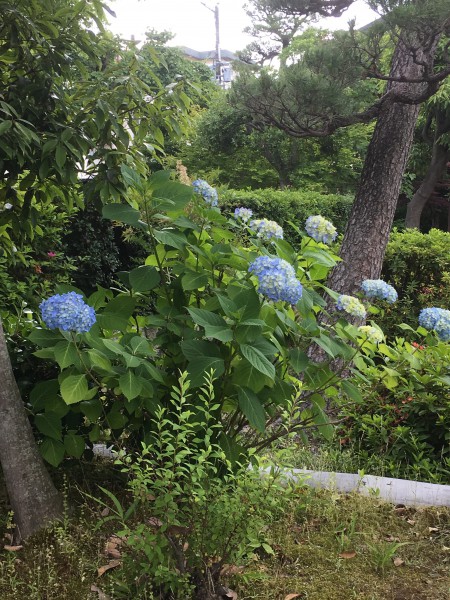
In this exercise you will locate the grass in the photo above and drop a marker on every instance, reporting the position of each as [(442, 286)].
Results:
[(328, 547)]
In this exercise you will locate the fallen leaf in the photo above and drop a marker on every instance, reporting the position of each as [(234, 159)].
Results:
[(111, 565), (347, 555), (112, 550), (101, 595), (105, 512), (411, 521), (433, 529), (155, 522), (231, 595), (13, 548), (292, 596), (185, 546), (445, 549), (231, 570), (398, 562)]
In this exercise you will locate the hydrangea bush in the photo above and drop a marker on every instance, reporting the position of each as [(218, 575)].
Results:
[(207, 299)]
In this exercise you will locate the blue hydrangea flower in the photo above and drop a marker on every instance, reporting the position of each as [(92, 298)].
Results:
[(208, 193), (245, 214), (437, 319), (68, 312), (373, 334), (351, 305), (267, 229), (320, 229), (276, 279), (377, 288)]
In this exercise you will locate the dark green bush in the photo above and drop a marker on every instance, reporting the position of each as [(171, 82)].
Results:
[(283, 206), (405, 415), (418, 266)]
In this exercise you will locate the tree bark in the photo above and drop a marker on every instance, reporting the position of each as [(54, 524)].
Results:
[(370, 222), (33, 497)]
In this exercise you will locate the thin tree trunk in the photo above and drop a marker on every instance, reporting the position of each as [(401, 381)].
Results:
[(33, 497), (438, 164), (367, 232)]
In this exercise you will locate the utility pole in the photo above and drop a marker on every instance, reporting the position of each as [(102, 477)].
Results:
[(218, 57)]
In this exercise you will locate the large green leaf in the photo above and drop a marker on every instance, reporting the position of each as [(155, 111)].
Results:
[(199, 367), (117, 313), (49, 424), (205, 317), (170, 238), (257, 359), (92, 409), (42, 392), (52, 451), (252, 408), (245, 374), (44, 338), (74, 389), (99, 360), (124, 213), (352, 391), (74, 445), (299, 360), (66, 354), (193, 349), (193, 280), (130, 385), (144, 279), (321, 257)]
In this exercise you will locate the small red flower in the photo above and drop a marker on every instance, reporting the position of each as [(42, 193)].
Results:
[(51, 254)]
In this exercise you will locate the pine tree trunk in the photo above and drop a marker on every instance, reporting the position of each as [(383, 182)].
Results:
[(367, 232), (33, 497)]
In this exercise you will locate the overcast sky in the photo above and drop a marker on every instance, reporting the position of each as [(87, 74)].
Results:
[(193, 24)]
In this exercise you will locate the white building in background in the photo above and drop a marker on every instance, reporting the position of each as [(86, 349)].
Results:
[(222, 69)]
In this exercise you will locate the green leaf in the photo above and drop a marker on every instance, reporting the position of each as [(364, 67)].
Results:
[(5, 126), (219, 332), (52, 451), (66, 354), (193, 280), (123, 213), (298, 359), (193, 349), (352, 391), (42, 392), (140, 346), (60, 155), (245, 374), (257, 359), (170, 238), (205, 317), (116, 420), (144, 279), (130, 385), (74, 445), (74, 389), (92, 409), (98, 359), (198, 367), (321, 420), (321, 257), (252, 408), (44, 338), (117, 313), (49, 424)]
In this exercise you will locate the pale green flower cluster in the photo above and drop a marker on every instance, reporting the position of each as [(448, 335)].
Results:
[(373, 334), (351, 305)]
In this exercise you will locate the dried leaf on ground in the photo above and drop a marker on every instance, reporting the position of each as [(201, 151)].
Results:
[(231, 595), (105, 512), (112, 546), (398, 562), (101, 594), (155, 522), (13, 548), (111, 565), (292, 596), (231, 570), (351, 554)]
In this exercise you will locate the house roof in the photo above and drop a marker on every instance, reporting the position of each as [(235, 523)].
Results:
[(204, 55)]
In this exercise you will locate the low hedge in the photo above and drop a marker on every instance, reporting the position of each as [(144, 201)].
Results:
[(283, 206)]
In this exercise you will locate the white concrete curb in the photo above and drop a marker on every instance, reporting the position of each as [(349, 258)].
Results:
[(397, 491)]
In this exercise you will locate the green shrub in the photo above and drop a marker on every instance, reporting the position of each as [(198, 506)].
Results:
[(191, 512), (418, 266), (405, 416), (283, 206)]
